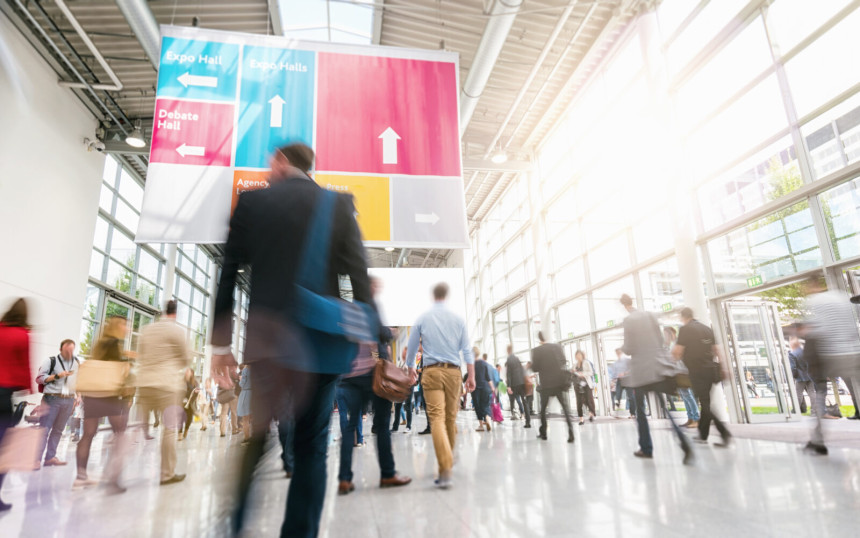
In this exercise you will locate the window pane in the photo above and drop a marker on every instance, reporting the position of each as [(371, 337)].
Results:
[(184, 292), (701, 31), (767, 248), (791, 21), (520, 334), (130, 189), (147, 292), (86, 338), (91, 303), (127, 216), (841, 207), (122, 248), (833, 139), (733, 67), (573, 317), (119, 277), (764, 177), (570, 280), (610, 259), (653, 236), (106, 199), (97, 265), (607, 308), (148, 266), (199, 299), (731, 133), (661, 285), (109, 172), (101, 234), (811, 86)]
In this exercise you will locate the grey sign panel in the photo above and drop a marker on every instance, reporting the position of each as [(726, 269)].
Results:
[(428, 211)]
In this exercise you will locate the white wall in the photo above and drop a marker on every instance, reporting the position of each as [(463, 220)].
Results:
[(49, 191)]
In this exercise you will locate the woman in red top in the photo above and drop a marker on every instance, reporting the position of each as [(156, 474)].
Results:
[(14, 366)]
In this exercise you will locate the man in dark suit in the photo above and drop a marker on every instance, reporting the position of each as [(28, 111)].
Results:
[(516, 380), (553, 381), (650, 371), (267, 233)]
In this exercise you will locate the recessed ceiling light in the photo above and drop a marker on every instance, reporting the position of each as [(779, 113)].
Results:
[(499, 157), (389, 249)]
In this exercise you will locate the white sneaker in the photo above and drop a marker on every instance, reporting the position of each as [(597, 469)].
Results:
[(443, 483), (407, 430), (81, 483)]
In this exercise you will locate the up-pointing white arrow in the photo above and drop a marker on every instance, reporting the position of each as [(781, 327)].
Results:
[(197, 151), (187, 79), (276, 118), (389, 146), (424, 218)]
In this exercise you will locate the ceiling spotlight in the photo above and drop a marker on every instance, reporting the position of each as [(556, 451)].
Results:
[(499, 157), (389, 249), (241, 271), (135, 138)]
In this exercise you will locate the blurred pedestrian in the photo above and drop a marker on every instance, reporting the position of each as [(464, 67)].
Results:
[(651, 371), (800, 372), (163, 359), (189, 402), (697, 347), (516, 378), (14, 367), (445, 343), (548, 363), (243, 408), (483, 391), (57, 375), (584, 384), (268, 232), (114, 405)]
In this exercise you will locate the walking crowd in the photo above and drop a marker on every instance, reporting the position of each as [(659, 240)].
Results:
[(309, 353)]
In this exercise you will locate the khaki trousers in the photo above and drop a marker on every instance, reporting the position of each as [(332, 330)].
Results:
[(230, 407), (169, 405), (442, 388)]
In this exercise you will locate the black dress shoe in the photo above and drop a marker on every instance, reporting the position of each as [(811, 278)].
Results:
[(425, 431), (570, 438), (640, 454), (819, 449), (542, 436)]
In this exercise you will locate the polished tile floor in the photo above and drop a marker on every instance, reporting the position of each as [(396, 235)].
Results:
[(507, 483)]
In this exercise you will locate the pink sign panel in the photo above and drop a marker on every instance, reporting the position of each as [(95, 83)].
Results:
[(387, 116), (190, 132)]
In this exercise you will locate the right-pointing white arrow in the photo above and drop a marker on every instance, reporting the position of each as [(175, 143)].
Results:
[(424, 218), (389, 146), (197, 151), (187, 79), (276, 119)]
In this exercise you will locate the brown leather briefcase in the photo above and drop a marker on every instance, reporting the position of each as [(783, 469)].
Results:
[(391, 382)]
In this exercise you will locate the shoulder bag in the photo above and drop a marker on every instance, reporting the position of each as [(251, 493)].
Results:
[(335, 326), (391, 382), (102, 378)]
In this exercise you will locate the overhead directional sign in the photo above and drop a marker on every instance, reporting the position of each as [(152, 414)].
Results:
[(383, 122)]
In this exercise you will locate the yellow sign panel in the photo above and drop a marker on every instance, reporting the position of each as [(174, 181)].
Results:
[(372, 202)]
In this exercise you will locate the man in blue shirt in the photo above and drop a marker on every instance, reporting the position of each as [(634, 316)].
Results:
[(445, 344)]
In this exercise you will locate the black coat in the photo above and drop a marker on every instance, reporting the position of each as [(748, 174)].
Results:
[(549, 363), (267, 233), (516, 374)]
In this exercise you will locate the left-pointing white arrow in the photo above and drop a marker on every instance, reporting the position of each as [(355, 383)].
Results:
[(187, 79), (424, 218), (276, 119), (196, 151), (389, 146)]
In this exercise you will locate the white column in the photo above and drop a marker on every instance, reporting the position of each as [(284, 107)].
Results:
[(170, 272), (540, 252)]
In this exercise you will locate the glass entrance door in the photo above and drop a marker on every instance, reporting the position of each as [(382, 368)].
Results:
[(607, 344), (760, 359), (136, 318)]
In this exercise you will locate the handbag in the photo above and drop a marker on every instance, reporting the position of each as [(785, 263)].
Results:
[(102, 378), (19, 449), (335, 326), (225, 396), (832, 410), (497, 410), (390, 382)]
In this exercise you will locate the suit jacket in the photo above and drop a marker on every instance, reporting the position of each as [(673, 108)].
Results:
[(163, 356), (549, 363), (643, 341), (516, 374), (267, 232)]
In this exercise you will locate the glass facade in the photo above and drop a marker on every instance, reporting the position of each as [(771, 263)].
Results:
[(722, 107)]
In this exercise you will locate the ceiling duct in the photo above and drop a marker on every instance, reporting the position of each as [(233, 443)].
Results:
[(501, 18), (145, 27)]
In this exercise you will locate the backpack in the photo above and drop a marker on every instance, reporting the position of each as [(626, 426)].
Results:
[(41, 386)]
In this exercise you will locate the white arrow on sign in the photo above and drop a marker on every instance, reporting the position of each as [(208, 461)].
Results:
[(197, 151), (276, 118), (389, 146), (424, 218), (187, 79)]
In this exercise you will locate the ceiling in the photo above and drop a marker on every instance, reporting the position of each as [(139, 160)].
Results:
[(552, 47)]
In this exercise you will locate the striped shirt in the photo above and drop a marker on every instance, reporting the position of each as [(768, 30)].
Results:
[(833, 323)]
